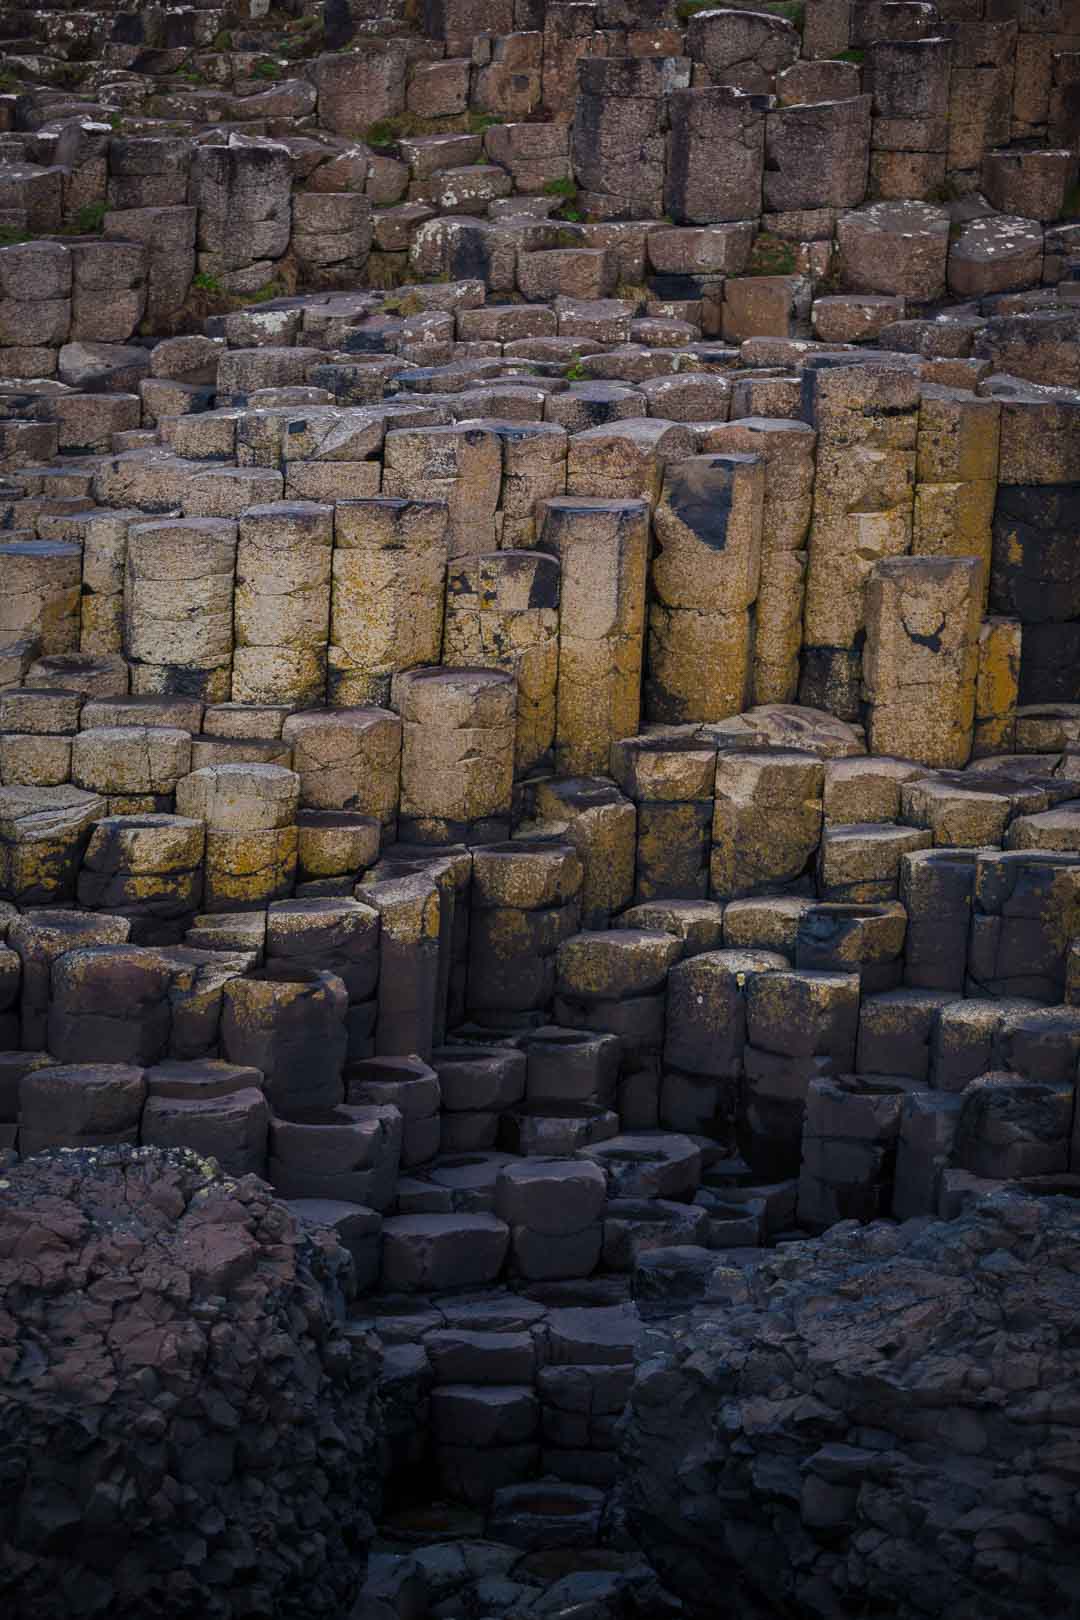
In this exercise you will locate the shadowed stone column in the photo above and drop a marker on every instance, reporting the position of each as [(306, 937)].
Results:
[(866, 418)]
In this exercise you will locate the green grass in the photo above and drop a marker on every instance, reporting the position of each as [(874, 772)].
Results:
[(90, 220), (947, 192), (266, 69), (208, 284), (857, 57), (406, 304), (792, 11), (272, 289), (561, 188), (10, 235), (575, 371), (770, 256), (383, 133), (386, 131)]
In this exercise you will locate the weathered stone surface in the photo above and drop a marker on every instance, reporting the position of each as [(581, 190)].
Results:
[(758, 1488), (259, 1303)]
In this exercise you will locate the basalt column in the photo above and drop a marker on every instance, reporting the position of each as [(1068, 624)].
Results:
[(1036, 550), (282, 607), (715, 155), (922, 651), (104, 541), (669, 775), (389, 572), (705, 572), (502, 610), (787, 448), (526, 902), (40, 597), (909, 82), (251, 838), (178, 606), (956, 471), (602, 547), (457, 757), (866, 418), (617, 143)]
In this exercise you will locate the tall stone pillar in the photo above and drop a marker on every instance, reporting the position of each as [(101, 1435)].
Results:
[(502, 612), (866, 417), (457, 754), (389, 576), (602, 547), (922, 655), (178, 606), (282, 603), (705, 574), (787, 448)]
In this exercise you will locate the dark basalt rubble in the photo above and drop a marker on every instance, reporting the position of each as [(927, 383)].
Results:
[(184, 1427), (882, 1421)]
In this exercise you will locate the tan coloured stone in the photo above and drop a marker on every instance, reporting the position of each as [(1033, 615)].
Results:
[(626, 460), (861, 790), (347, 759), (457, 759), (502, 611), (593, 816), (602, 549), (460, 465), (282, 603), (997, 686), (40, 597), (921, 657), (178, 603), (233, 798), (766, 821), (131, 759), (389, 573), (866, 420), (704, 579)]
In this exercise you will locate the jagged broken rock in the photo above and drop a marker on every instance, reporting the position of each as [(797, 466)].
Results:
[(184, 1427), (881, 1421)]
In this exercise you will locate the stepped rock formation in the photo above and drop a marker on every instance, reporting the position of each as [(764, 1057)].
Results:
[(539, 715)]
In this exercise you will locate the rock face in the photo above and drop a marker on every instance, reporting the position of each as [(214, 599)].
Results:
[(883, 1421), (184, 1427)]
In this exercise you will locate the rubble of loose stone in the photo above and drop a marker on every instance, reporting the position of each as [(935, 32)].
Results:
[(185, 1426), (882, 1418)]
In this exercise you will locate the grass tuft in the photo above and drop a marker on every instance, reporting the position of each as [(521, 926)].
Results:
[(770, 256)]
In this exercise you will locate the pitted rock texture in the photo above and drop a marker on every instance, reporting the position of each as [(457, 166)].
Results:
[(184, 1429), (880, 1422)]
